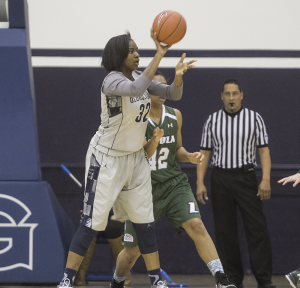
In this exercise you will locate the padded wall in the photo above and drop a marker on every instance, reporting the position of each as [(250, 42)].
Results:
[(38, 230), (35, 232), (18, 146)]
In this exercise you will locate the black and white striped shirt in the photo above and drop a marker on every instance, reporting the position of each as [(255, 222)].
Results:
[(234, 137)]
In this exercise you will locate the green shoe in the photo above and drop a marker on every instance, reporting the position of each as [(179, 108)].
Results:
[(294, 278)]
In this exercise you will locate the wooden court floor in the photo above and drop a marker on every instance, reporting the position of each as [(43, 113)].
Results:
[(193, 281)]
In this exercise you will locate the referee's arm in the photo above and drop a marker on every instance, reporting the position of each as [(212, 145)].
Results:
[(201, 170), (264, 189)]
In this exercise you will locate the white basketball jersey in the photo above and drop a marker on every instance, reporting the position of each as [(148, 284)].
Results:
[(123, 123)]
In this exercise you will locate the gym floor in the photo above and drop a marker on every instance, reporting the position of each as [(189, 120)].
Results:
[(201, 281)]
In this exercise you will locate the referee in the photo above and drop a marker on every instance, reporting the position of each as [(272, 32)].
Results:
[(233, 133)]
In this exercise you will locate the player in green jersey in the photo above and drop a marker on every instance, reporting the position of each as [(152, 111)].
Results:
[(172, 194)]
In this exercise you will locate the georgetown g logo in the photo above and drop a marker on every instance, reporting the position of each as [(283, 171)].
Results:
[(16, 236)]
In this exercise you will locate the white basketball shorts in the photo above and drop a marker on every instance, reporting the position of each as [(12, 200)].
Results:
[(122, 182)]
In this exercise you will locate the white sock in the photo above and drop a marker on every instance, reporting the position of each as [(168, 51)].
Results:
[(215, 266), (119, 279)]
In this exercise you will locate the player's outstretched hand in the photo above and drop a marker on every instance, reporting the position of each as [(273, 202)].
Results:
[(162, 50), (201, 193), (181, 67), (196, 157), (157, 134), (294, 178)]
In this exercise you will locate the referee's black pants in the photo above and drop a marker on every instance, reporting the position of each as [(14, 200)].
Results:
[(231, 188)]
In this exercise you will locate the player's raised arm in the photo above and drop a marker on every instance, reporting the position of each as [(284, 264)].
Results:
[(181, 68), (173, 91), (160, 52)]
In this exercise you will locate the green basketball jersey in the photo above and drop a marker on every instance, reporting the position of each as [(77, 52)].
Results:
[(163, 163)]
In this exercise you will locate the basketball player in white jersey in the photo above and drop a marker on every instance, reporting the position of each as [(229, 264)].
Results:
[(117, 170)]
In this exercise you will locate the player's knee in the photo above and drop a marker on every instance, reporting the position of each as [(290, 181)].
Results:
[(132, 254), (114, 229), (146, 237), (196, 227), (82, 240)]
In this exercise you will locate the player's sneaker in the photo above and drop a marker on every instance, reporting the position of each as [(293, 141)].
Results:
[(294, 278), (222, 281), (115, 284), (160, 284), (65, 282), (63, 285)]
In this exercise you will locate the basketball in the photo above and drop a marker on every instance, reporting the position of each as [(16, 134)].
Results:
[(170, 27)]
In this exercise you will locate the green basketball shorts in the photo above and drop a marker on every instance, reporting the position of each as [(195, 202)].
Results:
[(173, 199)]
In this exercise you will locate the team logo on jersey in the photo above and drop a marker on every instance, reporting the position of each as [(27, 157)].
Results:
[(170, 125), (140, 98), (114, 105), (167, 139), (128, 237), (16, 234)]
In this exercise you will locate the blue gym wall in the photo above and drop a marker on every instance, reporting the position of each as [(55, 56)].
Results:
[(35, 231), (68, 109)]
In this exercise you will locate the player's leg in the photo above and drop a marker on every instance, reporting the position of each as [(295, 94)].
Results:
[(207, 250), (182, 211), (78, 248), (80, 277), (95, 210), (131, 251), (203, 242), (258, 240), (114, 233), (135, 203), (145, 233)]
